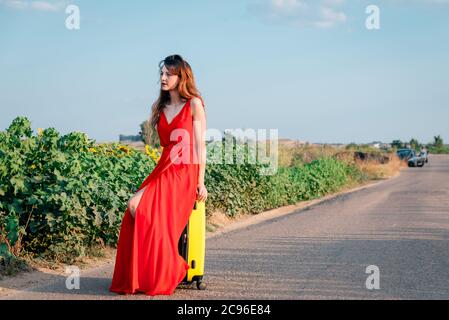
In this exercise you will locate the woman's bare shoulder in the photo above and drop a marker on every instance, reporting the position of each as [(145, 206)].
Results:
[(196, 101), (197, 105)]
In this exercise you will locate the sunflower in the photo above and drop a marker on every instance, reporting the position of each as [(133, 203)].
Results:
[(148, 149), (124, 148), (152, 152)]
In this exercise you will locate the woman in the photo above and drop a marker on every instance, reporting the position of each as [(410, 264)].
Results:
[(147, 254)]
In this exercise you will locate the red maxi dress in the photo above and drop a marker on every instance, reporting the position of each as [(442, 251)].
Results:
[(147, 258)]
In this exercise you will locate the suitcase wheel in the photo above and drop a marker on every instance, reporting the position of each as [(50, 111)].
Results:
[(201, 285)]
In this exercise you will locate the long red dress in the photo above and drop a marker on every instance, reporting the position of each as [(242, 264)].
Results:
[(147, 254)]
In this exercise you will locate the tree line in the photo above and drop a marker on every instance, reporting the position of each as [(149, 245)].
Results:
[(436, 146)]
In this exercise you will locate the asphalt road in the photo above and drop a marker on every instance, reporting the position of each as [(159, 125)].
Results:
[(401, 226)]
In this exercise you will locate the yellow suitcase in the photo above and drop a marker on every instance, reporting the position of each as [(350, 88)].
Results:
[(192, 245)]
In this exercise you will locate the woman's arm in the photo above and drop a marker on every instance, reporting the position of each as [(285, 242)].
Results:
[(199, 128)]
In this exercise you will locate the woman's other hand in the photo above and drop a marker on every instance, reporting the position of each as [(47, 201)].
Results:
[(201, 192)]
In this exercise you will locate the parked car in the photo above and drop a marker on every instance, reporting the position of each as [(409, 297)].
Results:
[(404, 154), (425, 155), (409, 155)]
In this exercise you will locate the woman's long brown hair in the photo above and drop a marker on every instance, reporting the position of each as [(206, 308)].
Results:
[(186, 86)]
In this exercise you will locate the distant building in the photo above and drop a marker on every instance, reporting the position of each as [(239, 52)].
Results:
[(379, 145), (136, 138), (328, 144), (375, 144)]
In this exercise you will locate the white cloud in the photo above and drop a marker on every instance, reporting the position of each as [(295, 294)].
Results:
[(330, 17), (34, 5), (314, 13), (300, 13)]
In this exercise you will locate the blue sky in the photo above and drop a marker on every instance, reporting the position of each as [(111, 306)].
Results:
[(308, 68)]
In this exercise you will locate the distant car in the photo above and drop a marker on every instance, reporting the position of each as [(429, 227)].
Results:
[(425, 155), (409, 155), (405, 154)]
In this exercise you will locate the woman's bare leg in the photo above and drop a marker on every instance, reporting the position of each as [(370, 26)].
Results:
[(134, 202)]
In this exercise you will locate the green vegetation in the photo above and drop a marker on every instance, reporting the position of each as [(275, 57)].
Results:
[(61, 195), (240, 189), (438, 146)]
